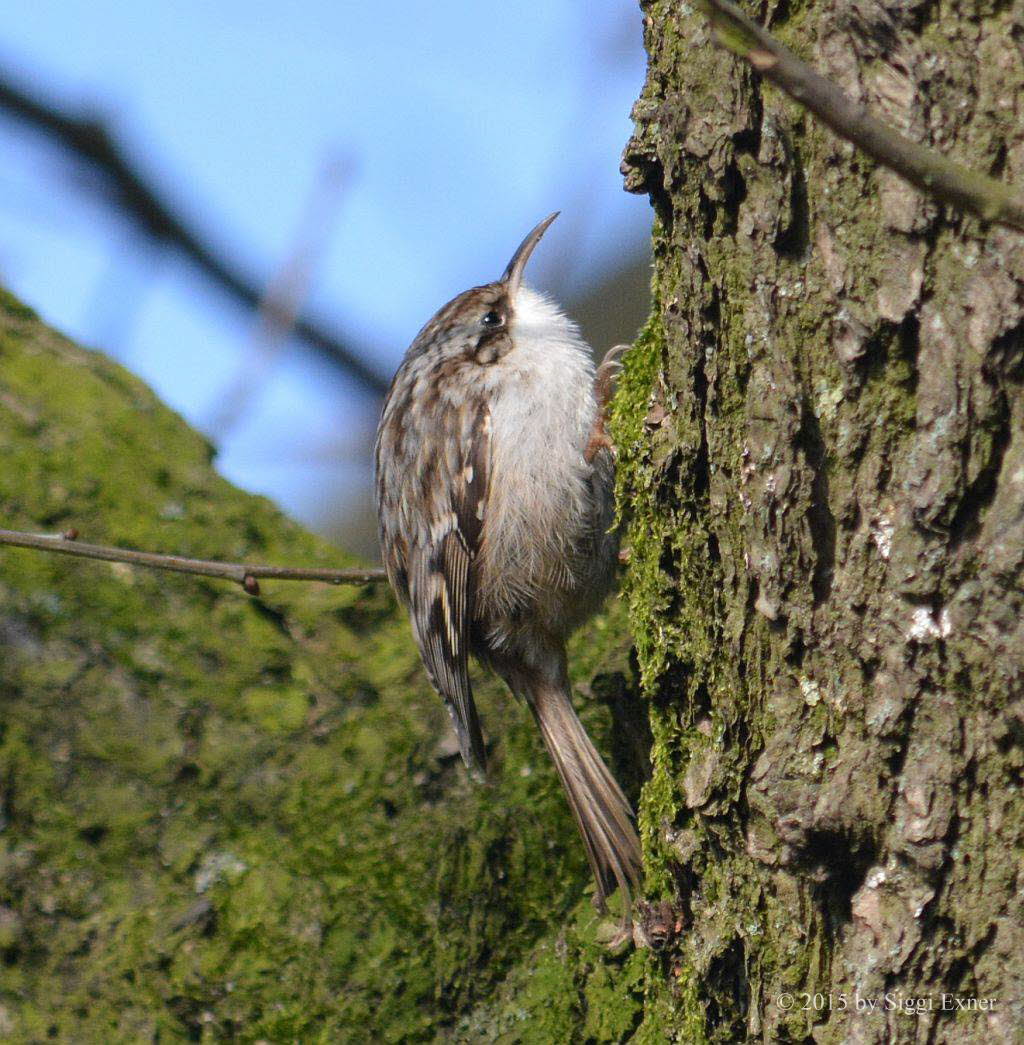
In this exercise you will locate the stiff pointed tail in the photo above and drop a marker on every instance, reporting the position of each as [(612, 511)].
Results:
[(602, 812)]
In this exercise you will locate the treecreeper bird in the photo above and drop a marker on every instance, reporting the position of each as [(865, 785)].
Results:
[(494, 495)]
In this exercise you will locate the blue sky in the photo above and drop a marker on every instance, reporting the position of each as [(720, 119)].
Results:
[(460, 124)]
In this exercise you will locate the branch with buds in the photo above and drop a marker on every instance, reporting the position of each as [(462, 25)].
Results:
[(248, 576), (924, 168)]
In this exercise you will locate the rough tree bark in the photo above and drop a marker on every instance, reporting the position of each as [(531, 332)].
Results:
[(823, 432)]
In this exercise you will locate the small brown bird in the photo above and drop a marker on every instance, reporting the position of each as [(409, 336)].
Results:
[(495, 507)]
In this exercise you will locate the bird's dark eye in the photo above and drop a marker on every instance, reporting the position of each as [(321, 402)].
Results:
[(492, 319)]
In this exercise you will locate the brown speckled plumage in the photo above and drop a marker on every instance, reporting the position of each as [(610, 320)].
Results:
[(494, 496)]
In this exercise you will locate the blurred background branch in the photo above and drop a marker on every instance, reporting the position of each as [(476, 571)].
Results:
[(279, 311), (89, 139)]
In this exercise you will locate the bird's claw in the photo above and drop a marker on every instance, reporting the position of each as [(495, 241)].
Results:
[(607, 375), (604, 388)]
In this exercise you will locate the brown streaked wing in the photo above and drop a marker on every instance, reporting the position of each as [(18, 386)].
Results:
[(442, 583)]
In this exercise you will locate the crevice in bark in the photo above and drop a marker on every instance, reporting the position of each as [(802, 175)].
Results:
[(819, 515), (998, 165), (872, 360), (728, 982), (842, 862), (708, 210), (734, 187), (777, 17), (976, 951), (700, 702), (900, 733), (908, 345), (1006, 356), (979, 494), (714, 553), (749, 139), (673, 684), (1012, 737), (701, 474), (794, 241), (889, 342)]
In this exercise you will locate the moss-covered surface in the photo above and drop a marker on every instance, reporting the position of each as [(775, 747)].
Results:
[(821, 442), (226, 818)]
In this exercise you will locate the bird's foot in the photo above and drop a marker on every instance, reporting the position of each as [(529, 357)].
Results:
[(607, 374), (616, 936), (604, 389)]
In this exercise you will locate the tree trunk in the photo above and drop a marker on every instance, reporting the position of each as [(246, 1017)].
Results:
[(823, 445)]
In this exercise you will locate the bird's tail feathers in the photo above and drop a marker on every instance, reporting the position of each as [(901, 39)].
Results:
[(602, 812)]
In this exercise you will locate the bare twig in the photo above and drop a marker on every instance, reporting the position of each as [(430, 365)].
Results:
[(241, 573), (926, 169), (90, 140)]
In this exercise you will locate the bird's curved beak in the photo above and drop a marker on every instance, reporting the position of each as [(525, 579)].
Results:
[(512, 277)]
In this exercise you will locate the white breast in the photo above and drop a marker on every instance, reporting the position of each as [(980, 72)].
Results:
[(542, 410)]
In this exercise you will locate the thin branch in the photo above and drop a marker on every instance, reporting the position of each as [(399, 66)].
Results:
[(90, 140), (241, 573), (926, 169)]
